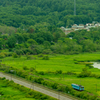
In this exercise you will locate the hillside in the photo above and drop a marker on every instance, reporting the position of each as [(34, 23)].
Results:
[(54, 12)]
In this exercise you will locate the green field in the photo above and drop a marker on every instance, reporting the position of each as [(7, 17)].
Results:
[(66, 63), (10, 93), (56, 62)]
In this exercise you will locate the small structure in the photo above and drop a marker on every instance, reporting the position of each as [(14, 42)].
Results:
[(74, 26), (81, 26), (78, 87), (62, 28), (68, 30)]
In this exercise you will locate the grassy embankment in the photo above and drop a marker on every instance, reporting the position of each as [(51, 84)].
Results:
[(10, 93), (66, 63)]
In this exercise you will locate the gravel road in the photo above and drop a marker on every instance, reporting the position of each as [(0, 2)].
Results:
[(37, 87)]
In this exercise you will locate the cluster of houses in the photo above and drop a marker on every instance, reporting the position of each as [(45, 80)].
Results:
[(76, 27)]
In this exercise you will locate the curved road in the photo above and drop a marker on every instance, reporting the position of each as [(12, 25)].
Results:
[(37, 87)]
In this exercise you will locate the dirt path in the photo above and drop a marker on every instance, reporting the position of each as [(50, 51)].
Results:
[(37, 87)]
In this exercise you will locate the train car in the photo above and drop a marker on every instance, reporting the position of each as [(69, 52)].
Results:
[(78, 87)]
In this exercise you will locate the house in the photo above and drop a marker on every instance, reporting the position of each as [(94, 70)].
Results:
[(68, 30), (74, 26), (81, 26)]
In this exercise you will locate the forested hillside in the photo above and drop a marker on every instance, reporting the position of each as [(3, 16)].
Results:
[(53, 12), (38, 39)]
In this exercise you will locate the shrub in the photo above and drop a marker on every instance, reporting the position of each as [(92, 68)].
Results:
[(54, 85), (70, 73), (39, 80), (46, 83), (3, 78), (32, 69), (41, 73), (2, 55), (89, 65), (61, 88), (25, 68), (76, 62), (40, 55), (47, 51), (58, 71), (19, 72), (67, 89), (24, 74), (14, 55), (28, 57), (45, 58)]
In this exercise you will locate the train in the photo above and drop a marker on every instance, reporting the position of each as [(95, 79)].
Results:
[(77, 87)]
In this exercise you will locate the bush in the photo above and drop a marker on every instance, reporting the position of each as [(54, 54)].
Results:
[(2, 55), (40, 55), (14, 55), (54, 85), (46, 83), (94, 97), (45, 58), (41, 73), (89, 65), (76, 62), (3, 78), (28, 57), (58, 71), (47, 51), (25, 68), (32, 69), (70, 73), (61, 88), (39, 80)]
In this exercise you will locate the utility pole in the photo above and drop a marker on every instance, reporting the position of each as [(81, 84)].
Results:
[(58, 95), (63, 76), (11, 76), (74, 7), (96, 87), (32, 85), (80, 81)]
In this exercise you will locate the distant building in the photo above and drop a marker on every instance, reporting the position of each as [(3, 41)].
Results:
[(76, 27), (68, 30), (62, 28), (81, 26)]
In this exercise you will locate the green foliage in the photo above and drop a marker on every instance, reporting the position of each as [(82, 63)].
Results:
[(20, 13), (32, 69), (85, 73), (2, 55), (45, 58), (41, 73), (25, 68), (58, 71), (28, 56), (51, 84), (32, 42), (54, 85), (40, 55), (14, 55), (20, 91)]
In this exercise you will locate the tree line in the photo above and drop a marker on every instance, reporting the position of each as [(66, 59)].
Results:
[(39, 39), (54, 12)]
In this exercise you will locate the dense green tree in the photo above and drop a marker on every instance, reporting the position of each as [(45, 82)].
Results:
[(11, 42), (54, 12), (32, 42)]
